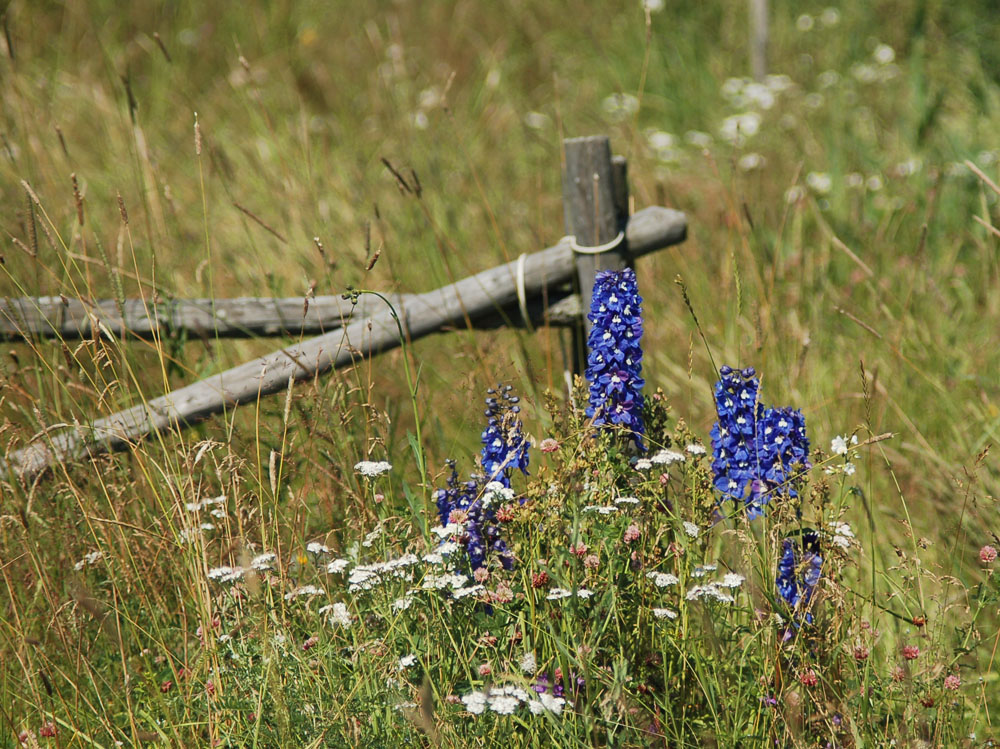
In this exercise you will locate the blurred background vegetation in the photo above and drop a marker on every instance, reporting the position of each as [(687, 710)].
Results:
[(832, 244)]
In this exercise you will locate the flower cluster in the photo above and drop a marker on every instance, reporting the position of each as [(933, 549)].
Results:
[(470, 507), (505, 447), (614, 365), (799, 571), (755, 450)]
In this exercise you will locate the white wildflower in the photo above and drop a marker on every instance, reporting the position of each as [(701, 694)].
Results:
[(794, 194), (750, 162), (89, 560), (557, 593), (819, 182), (884, 54), (626, 500), (338, 614), (653, 6), (849, 469), (698, 138), (371, 469), (207, 526), (263, 562), (584, 593), (537, 120), (804, 22), (667, 457), (829, 17), (447, 531), (226, 574), (402, 604), (662, 579), (192, 506), (732, 580), (738, 127), (620, 106), (406, 661), (691, 529), (475, 702), (838, 445), (472, 590), (528, 662), (549, 702), (664, 613), (337, 566), (702, 570), (503, 705), (643, 464), (372, 536), (778, 82), (315, 547), (304, 590), (433, 558), (695, 449), (448, 547), (874, 183), (496, 492), (605, 510)]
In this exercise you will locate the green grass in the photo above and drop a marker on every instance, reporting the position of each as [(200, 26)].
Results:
[(871, 309)]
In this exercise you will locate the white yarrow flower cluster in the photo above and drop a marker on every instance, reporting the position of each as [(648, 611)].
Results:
[(667, 457), (226, 574), (369, 576), (528, 663), (372, 536), (664, 613), (304, 590), (89, 560), (842, 535), (662, 579), (371, 468), (601, 509), (263, 562), (205, 503), (406, 661), (695, 449), (507, 698), (710, 590), (315, 547), (626, 500), (339, 614), (495, 492), (337, 566), (691, 529)]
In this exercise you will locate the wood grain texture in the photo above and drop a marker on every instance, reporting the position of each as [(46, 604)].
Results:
[(478, 297)]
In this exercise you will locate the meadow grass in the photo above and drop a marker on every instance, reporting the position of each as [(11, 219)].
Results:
[(838, 242)]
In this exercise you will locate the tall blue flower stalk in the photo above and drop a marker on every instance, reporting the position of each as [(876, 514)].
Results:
[(799, 571), (614, 364), (754, 450), (473, 504)]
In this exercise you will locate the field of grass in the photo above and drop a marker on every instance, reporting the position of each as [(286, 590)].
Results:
[(842, 241)]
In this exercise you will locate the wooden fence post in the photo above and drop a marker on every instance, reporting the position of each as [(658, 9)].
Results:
[(595, 209)]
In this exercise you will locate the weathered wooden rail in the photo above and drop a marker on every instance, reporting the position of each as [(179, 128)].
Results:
[(501, 295)]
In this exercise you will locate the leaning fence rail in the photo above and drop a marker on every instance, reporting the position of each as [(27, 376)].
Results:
[(539, 285)]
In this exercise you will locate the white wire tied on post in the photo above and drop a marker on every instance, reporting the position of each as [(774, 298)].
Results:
[(579, 249)]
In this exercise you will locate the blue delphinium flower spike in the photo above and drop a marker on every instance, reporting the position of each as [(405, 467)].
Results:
[(614, 364), (734, 443), (781, 444), (799, 570), (505, 447)]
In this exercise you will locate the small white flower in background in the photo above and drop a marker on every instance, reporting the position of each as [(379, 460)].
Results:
[(556, 594), (643, 464), (528, 663), (695, 449), (711, 590), (854, 180), (402, 604), (750, 162), (536, 120), (207, 526), (620, 105), (864, 73), (189, 535), (691, 529), (433, 558), (842, 534), (698, 138), (472, 590), (225, 638), (732, 580), (447, 531), (662, 579), (778, 82), (664, 613), (372, 536), (89, 560), (849, 469), (653, 6), (584, 593), (626, 500), (758, 95), (475, 702), (371, 468), (192, 506), (315, 547), (448, 547), (503, 705), (226, 574), (218, 513), (819, 182), (304, 590), (658, 139), (338, 614), (667, 457), (600, 510), (883, 54), (263, 562), (337, 566), (738, 127), (794, 194), (702, 570), (804, 22), (550, 702), (496, 492), (874, 183), (406, 661), (839, 445), (829, 17)]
